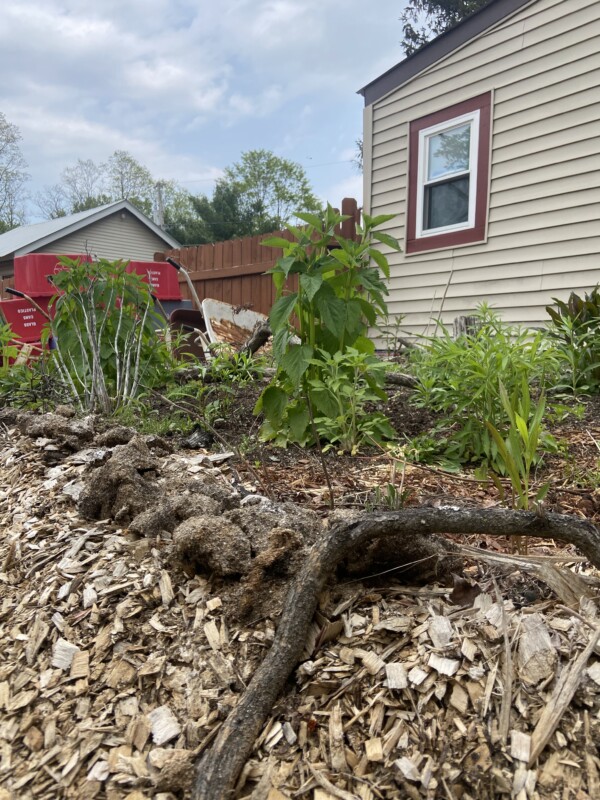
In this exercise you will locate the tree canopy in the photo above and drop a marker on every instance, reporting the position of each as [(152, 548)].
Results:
[(424, 19), (258, 194), (13, 176)]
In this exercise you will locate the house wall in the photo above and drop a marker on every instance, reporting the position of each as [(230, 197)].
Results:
[(543, 65), (120, 235)]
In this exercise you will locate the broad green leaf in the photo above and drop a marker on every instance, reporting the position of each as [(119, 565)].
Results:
[(311, 219), (364, 345), (296, 361), (332, 311), (310, 284), (286, 264), (368, 311), (380, 260), (282, 311), (273, 402), (343, 257), (299, 420), (388, 240), (375, 222), (542, 492), (276, 241), (280, 342)]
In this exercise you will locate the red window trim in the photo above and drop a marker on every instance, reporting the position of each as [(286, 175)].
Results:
[(477, 233)]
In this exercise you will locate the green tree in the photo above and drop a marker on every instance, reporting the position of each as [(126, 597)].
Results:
[(229, 215), (13, 176), (422, 20), (271, 190)]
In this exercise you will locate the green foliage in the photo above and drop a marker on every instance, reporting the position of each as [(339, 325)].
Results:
[(575, 331), (460, 378), (105, 326), (520, 449), (226, 215), (345, 385), (424, 19), (388, 498), (213, 395), (273, 188), (319, 333)]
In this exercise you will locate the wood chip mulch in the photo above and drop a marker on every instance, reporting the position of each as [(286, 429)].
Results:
[(115, 676)]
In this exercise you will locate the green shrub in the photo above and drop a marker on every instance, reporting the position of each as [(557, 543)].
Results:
[(106, 330), (575, 331), (461, 378), (321, 329)]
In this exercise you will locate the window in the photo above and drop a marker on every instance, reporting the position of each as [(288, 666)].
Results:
[(448, 176)]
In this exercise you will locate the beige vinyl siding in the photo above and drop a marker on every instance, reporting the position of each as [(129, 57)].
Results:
[(119, 236), (543, 66)]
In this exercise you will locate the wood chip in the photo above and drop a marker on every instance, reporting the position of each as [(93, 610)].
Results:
[(164, 725), (62, 654), (441, 632), (371, 661), (336, 740), (520, 746), (536, 656), (445, 666), (396, 675), (212, 634), (80, 665), (166, 588), (374, 749)]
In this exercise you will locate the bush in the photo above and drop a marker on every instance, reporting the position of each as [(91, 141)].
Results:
[(575, 331), (320, 332), (105, 327), (461, 378)]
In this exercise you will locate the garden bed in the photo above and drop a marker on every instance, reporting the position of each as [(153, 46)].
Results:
[(121, 664)]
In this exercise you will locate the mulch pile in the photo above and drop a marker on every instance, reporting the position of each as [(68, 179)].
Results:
[(118, 663)]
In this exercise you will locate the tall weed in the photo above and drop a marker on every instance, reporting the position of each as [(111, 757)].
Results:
[(461, 379)]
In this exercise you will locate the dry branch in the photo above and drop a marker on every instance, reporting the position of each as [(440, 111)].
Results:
[(218, 769)]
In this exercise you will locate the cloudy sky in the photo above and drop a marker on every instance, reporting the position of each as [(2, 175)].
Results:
[(187, 85)]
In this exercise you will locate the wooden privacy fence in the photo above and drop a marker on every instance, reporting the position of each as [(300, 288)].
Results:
[(233, 271)]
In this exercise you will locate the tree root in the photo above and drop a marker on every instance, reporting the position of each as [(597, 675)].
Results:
[(219, 767)]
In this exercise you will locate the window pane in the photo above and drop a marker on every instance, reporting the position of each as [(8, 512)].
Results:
[(449, 152), (446, 203)]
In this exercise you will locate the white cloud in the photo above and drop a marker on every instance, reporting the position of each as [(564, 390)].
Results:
[(187, 85)]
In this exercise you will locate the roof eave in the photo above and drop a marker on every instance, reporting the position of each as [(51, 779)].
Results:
[(441, 46)]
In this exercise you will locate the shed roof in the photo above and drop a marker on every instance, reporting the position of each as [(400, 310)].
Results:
[(441, 46), (26, 238)]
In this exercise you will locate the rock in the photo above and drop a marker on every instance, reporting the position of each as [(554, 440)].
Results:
[(68, 412)]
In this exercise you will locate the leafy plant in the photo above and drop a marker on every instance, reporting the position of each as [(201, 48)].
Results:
[(461, 378), (343, 387), (520, 450), (340, 293), (106, 329), (575, 331)]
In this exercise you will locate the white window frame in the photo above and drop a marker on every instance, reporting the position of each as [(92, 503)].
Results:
[(424, 135)]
